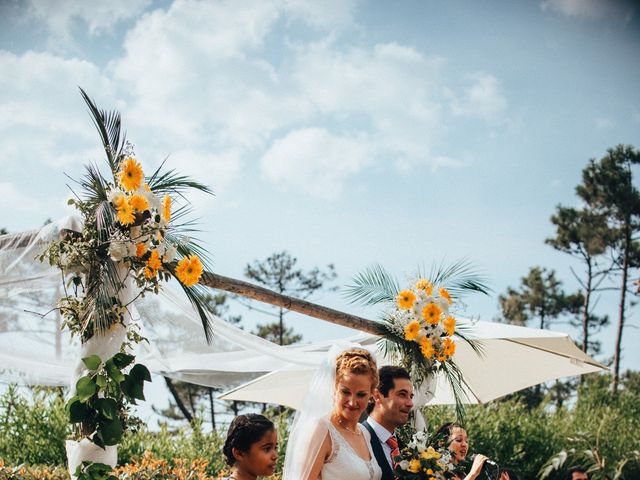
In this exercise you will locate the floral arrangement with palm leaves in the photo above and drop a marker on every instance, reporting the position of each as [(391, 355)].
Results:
[(133, 238), (419, 322)]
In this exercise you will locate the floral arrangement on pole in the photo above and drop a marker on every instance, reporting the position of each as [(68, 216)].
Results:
[(133, 234), (419, 323), (424, 458)]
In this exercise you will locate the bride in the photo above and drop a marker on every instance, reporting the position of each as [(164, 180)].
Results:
[(326, 441)]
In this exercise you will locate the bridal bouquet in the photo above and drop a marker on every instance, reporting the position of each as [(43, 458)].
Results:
[(424, 458)]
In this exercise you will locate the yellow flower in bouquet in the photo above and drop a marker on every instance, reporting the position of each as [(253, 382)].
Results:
[(430, 453), (125, 213), (444, 293), (139, 203), (431, 313), (166, 208), (154, 261), (449, 325), (141, 249), (131, 175), (426, 347), (189, 270), (412, 330), (414, 465), (448, 347), (426, 285), (406, 298)]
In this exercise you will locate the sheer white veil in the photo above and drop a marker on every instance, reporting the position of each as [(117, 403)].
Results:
[(308, 429)]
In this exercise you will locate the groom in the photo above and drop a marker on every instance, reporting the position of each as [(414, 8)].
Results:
[(392, 403)]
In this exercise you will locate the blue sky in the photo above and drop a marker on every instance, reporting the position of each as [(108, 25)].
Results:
[(346, 132)]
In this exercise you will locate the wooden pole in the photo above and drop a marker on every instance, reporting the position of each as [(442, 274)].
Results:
[(255, 292)]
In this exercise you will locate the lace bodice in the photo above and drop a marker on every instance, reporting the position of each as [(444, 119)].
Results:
[(344, 462)]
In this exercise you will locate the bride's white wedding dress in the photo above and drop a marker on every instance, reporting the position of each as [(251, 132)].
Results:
[(345, 463)]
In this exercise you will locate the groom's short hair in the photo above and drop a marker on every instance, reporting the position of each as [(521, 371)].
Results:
[(387, 376)]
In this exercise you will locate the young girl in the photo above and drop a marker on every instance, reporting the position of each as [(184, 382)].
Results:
[(251, 447)]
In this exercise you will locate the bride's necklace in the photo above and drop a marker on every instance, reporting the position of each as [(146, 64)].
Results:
[(346, 427)]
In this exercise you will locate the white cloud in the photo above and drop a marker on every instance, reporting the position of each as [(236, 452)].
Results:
[(315, 161), (99, 17), (42, 117), (20, 202), (620, 10), (328, 14), (604, 123), (484, 98), (215, 170)]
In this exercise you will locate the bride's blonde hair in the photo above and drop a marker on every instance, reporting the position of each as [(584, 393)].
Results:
[(357, 361)]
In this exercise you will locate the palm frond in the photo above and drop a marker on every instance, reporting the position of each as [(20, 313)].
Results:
[(187, 246), (109, 128), (459, 278), (171, 182), (198, 296), (476, 345), (457, 383), (372, 286)]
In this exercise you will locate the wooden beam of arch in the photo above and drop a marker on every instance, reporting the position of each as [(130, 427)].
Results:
[(261, 294)]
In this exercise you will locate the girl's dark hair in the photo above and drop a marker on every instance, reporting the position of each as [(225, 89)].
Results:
[(244, 431), (444, 432)]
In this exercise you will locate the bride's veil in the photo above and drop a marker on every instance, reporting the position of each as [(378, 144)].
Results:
[(308, 429)]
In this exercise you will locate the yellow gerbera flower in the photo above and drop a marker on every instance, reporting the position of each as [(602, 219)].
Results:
[(426, 347), (444, 293), (149, 272), (154, 261), (414, 465), (139, 203), (428, 454), (449, 325), (411, 331), (405, 299), (426, 285), (448, 347), (131, 174), (189, 270), (166, 208), (125, 213), (431, 313), (141, 249)]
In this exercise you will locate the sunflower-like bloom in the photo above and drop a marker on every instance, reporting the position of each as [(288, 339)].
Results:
[(139, 203), (166, 208), (189, 270), (125, 213), (414, 465), (149, 272), (426, 285), (154, 261), (426, 347), (448, 347), (431, 313), (444, 293), (411, 331), (405, 299), (449, 325), (428, 454), (141, 249), (131, 175)]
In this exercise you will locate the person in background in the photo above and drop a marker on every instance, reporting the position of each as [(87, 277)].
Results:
[(458, 444), (577, 473), (251, 447)]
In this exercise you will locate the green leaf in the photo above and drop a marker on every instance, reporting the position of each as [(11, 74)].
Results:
[(101, 381), (113, 371), (132, 387), (111, 432), (85, 388), (121, 360), (140, 372), (107, 407), (78, 411), (98, 440), (93, 362)]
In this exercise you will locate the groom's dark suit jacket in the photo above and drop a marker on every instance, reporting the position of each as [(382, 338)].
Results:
[(376, 446)]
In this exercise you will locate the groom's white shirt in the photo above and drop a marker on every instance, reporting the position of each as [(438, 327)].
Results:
[(383, 434)]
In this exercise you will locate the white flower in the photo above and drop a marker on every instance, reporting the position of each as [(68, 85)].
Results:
[(154, 201), (443, 304), (131, 249), (135, 232), (170, 254), (161, 248), (118, 250), (404, 464), (116, 196)]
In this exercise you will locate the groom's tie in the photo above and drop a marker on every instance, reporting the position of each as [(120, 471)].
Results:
[(392, 441)]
